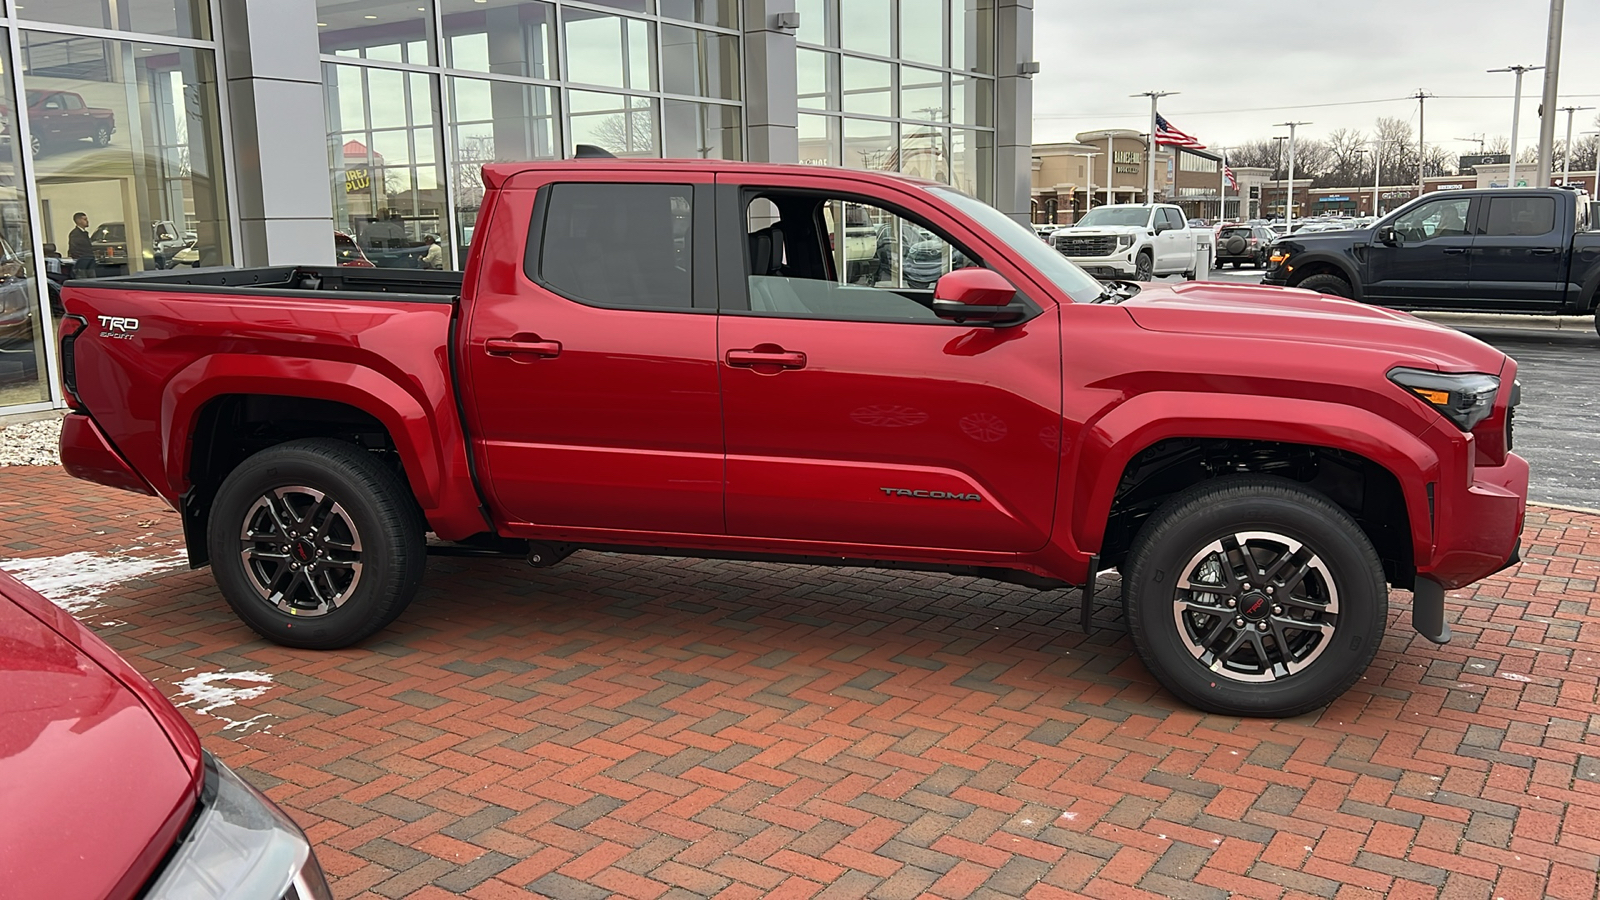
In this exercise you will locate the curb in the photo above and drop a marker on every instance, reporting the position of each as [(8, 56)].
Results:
[(1510, 320), (1565, 508)]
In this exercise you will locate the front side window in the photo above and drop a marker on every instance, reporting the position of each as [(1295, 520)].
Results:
[(1521, 216), (1439, 218), (621, 246), (841, 259)]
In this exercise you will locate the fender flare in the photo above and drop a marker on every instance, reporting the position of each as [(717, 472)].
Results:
[(1586, 295), (1112, 441), (1346, 267), (405, 418)]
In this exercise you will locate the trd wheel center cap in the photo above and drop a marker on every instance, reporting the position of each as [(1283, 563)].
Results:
[(1255, 606), (303, 550)]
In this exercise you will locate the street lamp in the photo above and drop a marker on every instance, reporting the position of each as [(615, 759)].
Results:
[(1150, 148), (1516, 113), (1377, 170), (1288, 204), (1566, 156), (1088, 180)]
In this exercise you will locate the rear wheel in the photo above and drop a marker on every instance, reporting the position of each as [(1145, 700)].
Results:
[(1328, 284), (102, 136), (1252, 596), (315, 543)]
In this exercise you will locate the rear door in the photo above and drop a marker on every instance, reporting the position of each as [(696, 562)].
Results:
[(855, 415), (1521, 254), (590, 354), (1429, 262)]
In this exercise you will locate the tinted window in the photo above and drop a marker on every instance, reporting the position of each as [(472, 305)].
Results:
[(1521, 216), (1237, 232), (71, 101), (1436, 218), (618, 245), (1173, 218)]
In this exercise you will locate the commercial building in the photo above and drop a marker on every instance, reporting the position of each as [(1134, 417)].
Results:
[(252, 132), (1070, 178)]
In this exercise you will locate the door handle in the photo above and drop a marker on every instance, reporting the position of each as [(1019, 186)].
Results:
[(1454, 251), (1542, 251), (511, 347), (766, 355)]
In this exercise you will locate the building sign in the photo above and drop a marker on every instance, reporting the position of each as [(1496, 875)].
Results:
[(1472, 160), (1447, 187), (356, 180), (1335, 199), (1128, 170), (1397, 195), (1128, 156)]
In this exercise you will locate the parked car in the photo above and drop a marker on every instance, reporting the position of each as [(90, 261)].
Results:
[(165, 243), (56, 117), (18, 303), (110, 243), (1260, 464), (1136, 241), (1044, 231), (1499, 250), (1242, 244), (108, 793)]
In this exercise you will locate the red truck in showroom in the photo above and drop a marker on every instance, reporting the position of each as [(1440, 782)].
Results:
[(668, 357)]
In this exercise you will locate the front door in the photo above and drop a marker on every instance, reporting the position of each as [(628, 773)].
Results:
[(855, 415), (591, 357), (1520, 255), (1428, 263), (1172, 244)]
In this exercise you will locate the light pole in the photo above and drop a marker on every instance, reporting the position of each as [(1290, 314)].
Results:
[(1278, 141), (1222, 184), (1150, 148), (1377, 171), (1088, 183), (1516, 113), (1566, 155), (1288, 204), (1547, 105)]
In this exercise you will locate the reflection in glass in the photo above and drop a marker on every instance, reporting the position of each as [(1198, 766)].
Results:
[(972, 101), (720, 13), (388, 190), (817, 76), (699, 63), (501, 37), (493, 121), (389, 30), (614, 51), (178, 18), (868, 87), (622, 125), (819, 140), (922, 31), (23, 329), (866, 26), (972, 36), (700, 130), (870, 145), (816, 20), (972, 163), (925, 152), (922, 95)]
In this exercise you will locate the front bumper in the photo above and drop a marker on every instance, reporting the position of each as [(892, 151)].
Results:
[(1478, 527), (1106, 266)]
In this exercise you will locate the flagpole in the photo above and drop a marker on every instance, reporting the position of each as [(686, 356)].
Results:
[(1150, 148), (1222, 184)]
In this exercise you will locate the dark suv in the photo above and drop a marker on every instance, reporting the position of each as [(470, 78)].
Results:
[(1240, 244)]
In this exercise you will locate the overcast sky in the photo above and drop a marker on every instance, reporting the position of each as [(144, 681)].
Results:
[(1297, 57)]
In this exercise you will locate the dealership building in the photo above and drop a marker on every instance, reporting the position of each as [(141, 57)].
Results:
[(262, 132)]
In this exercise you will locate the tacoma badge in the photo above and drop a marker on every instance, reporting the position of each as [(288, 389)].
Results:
[(932, 495)]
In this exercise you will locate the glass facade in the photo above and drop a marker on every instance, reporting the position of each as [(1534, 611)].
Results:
[(905, 86), (420, 94), (116, 167)]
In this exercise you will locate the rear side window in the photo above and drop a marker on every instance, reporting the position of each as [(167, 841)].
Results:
[(622, 246), (1521, 216)]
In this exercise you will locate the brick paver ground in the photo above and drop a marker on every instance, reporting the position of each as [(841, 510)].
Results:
[(643, 727)]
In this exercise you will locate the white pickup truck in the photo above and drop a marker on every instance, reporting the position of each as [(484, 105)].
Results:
[(1136, 241)]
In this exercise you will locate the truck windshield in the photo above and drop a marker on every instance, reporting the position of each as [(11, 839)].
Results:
[(1078, 284), (1136, 216)]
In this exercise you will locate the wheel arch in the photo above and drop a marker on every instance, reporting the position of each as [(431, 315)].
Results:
[(1160, 443), (1327, 264)]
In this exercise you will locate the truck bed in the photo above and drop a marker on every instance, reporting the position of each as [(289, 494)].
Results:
[(419, 285)]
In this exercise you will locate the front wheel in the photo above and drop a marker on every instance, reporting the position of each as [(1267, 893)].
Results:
[(1144, 267), (1253, 596), (1331, 285), (315, 543), (102, 136)]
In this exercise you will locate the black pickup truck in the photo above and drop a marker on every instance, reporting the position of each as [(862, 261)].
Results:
[(1523, 251)]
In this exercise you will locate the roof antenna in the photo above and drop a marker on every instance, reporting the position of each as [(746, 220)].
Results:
[(590, 151)]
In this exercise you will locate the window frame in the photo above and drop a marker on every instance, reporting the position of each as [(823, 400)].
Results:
[(1474, 205), (703, 287), (734, 200)]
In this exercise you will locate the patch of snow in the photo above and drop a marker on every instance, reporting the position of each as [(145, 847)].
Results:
[(31, 444), (76, 581), (208, 692), (1513, 676)]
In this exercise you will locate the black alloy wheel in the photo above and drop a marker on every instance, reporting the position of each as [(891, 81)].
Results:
[(102, 136), (1144, 266)]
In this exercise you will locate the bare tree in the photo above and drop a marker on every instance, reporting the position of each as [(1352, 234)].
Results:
[(1347, 163), (1261, 154), (626, 134), (1498, 144)]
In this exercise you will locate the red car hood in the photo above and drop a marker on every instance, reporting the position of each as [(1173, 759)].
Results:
[(98, 771), (1293, 315)]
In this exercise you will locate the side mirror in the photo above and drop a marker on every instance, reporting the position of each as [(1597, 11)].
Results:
[(1386, 235), (977, 295), (1162, 226)]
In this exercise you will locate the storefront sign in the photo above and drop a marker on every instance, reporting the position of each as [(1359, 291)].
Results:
[(356, 180), (1128, 170), (1128, 156)]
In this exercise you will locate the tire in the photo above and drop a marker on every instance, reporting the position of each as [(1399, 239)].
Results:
[(1332, 285), (1144, 267), (102, 136), (368, 547), (1339, 587), (36, 145), (1189, 275)]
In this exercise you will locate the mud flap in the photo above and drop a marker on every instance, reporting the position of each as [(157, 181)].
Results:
[(1086, 598), (1427, 610)]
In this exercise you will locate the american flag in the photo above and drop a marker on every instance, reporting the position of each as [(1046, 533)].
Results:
[(1227, 172), (1166, 134)]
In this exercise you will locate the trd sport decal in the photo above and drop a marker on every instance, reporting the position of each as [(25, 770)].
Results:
[(931, 495)]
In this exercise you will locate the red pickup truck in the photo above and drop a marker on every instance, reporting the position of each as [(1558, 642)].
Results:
[(670, 357)]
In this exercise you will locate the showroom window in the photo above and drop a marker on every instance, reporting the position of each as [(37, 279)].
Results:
[(481, 81), (863, 104)]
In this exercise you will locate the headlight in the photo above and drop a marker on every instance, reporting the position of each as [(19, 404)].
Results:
[(1279, 254), (1124, 241), (240, 846), (1464, 399)]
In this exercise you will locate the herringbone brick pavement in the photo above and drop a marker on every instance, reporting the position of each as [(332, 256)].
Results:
[(644, 727)]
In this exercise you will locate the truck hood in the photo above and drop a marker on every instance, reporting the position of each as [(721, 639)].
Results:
[(93, 785), (1307, 318), (1102, 230)]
